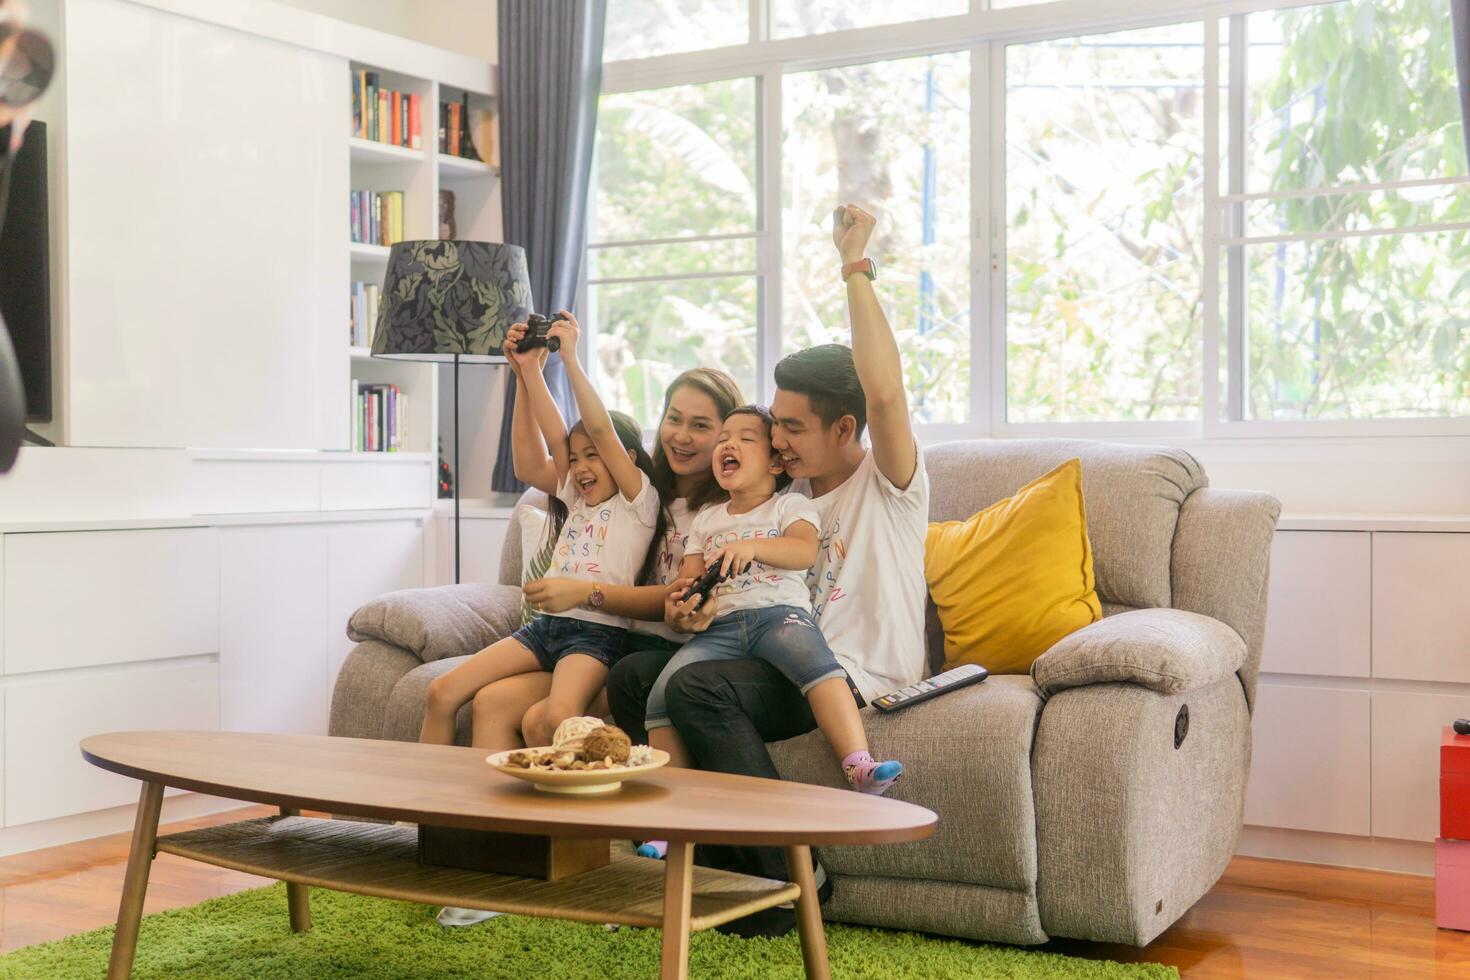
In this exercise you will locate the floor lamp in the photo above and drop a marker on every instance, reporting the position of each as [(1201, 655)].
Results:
[(451, 302)]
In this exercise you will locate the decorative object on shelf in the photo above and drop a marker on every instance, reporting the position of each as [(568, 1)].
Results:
[(466, 138), (451, 301), (446, 214), (446, 475)]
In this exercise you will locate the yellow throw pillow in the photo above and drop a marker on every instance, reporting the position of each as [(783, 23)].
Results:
[(1015, 578)]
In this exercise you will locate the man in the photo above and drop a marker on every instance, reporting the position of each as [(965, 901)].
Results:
[(868, 583)]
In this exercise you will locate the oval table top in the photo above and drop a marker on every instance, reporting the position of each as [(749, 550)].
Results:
[(452, 786)]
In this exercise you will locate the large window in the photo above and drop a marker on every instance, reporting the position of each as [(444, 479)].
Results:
[(1234, 219), (1351, 300), (896, 136), (671, 268)]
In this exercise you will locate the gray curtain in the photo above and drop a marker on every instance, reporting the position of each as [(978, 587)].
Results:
[(1460, 21), (550, 76)]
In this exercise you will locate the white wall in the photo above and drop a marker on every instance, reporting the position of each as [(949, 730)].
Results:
[(466, 26)]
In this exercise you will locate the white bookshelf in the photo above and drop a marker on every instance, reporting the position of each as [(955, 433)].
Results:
[(420, 174)]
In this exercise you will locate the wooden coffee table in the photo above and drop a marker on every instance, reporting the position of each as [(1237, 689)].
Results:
[(453, 787)]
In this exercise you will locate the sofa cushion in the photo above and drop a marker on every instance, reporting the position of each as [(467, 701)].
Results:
[(967, 757), (1168, 650), (445, 621), (1016, 577), (1132, 494)]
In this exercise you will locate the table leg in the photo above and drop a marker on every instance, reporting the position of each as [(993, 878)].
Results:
[(678, 899), (808, 913), (135, 882), (298, 896)]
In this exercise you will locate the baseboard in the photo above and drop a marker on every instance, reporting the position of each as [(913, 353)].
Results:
[(1376, 853), (100, 823)]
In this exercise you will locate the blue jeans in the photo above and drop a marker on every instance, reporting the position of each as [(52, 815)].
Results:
[(785, 637)]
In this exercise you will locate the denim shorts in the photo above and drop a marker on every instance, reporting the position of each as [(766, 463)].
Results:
[(552, 637), (785, 637)]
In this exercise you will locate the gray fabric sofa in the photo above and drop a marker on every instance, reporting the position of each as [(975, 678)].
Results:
[(1097, 798)]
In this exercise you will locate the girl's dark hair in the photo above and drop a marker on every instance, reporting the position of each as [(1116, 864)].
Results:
[(764, 414), (725, 393), (630, 434)]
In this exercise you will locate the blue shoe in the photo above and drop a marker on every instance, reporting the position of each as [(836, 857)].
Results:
[(656, 849)]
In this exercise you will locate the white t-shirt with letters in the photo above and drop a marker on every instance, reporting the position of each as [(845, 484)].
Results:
[(760, 585), (604, 542), (867, 586), (666, 566)]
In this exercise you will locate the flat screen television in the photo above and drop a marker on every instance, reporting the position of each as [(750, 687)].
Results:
[(25, 273)]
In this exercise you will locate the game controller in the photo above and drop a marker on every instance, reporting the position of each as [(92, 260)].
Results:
[(712, 577)]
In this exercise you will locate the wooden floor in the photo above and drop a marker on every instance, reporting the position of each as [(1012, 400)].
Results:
[(1265, 919)]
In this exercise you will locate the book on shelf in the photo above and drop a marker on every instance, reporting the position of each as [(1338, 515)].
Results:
[(377, 217), (377, 419), (384, 115), (482, 130), (365, 298)]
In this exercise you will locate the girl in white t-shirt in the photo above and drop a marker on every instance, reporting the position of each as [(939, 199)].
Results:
[(764, 542), (605, 516)]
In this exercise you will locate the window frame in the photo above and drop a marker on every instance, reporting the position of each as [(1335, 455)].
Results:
[(985, 33)]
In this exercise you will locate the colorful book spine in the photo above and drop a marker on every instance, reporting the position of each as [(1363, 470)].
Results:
[(415, 135), (395, 107), (443, 127), (454, 129)]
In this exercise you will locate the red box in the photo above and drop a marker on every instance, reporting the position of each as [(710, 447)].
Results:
[(1452, 884), (1454, 785)]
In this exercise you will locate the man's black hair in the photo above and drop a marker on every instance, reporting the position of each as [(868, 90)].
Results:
[(828, 377)]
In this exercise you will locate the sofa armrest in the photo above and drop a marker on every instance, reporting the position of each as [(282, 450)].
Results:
[(446, 621), (1167, 650)]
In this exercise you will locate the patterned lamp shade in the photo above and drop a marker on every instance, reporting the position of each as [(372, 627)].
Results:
[(447, 298)]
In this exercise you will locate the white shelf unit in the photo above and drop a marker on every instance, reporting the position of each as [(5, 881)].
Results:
[(419, 174)]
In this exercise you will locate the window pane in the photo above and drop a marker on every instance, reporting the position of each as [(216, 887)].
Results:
[(1348, 93), (1360, 328), (642, 28), (1104, 204), (795, 17), (647, 333), (893, 137), (723, 255), (676, 161)]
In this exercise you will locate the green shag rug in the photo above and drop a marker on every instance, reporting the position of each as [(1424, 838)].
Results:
[(247, 935)]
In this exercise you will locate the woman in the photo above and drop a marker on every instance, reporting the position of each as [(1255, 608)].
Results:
[(694, 406)]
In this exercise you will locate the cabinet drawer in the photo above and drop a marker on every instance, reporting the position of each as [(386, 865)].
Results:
[(1309, 767), (45, 774), (87, 598), (1421, 630), (1317, 619), (1406, 733)]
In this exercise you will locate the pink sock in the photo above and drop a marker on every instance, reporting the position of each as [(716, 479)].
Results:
[(867, 775)]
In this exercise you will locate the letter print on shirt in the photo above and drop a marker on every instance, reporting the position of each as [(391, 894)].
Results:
[(583, 540), (822, 577)]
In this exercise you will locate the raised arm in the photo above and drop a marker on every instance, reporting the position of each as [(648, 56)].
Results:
[(875, 355), (595, 419), (533, 462), (548, 419)]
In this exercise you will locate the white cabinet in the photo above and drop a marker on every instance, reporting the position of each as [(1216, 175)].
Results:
[(364, 561), (1421, 620), (1309, 764), (104, 597), (45, 774), (1406, 734), (206, 234), (273, 644), (1317, 619)]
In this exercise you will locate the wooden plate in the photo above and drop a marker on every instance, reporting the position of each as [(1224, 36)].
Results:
[(577, 781)]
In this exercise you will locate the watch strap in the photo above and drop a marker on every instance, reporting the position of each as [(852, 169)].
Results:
[(866, 266)]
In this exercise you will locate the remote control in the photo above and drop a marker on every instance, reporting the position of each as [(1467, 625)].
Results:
[(712, 577), (950, 680)]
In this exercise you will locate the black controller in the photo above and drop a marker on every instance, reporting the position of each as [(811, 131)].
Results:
[(712, 577), (950, 680)]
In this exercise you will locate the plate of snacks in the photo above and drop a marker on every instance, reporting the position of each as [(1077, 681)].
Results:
[(586, 756)]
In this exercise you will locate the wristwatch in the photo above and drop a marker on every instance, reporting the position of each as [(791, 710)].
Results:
[(867, 267), (595, 598)]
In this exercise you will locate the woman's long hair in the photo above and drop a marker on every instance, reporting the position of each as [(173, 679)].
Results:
[(630, 434), (725, 393)]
